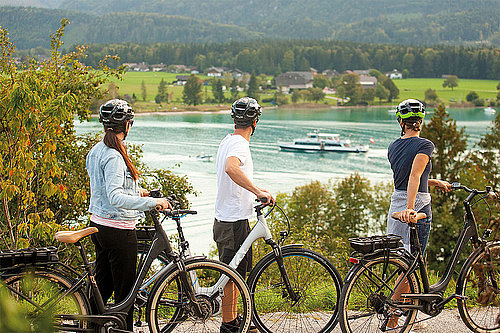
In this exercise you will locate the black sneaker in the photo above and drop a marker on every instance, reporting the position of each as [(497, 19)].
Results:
[(234, 326)]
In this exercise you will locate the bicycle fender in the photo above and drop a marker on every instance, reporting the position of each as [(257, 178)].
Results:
[(297, 245)]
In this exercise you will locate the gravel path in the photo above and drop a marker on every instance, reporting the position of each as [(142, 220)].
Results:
[(448, 321)]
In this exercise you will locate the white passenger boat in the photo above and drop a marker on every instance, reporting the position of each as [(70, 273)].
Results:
[(489, 110), (323, 142)]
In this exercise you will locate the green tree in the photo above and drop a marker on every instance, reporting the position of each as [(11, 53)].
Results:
[(253, 87), (353, 191), (450, 144), (217, 91), (296, 95), (368, 95), (471, 96), (317, 94), (43, 181), (488, 156), (350, 87), (143, 91), (405, 73), (450, 82), (393, 90), (288, 62), (191, 95), (162, 95), (381, 92), (431, 95), (37, 139), (321, 81), (234, 89)]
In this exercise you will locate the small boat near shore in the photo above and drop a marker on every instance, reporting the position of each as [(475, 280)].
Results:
[(489, 110), (323, 142)]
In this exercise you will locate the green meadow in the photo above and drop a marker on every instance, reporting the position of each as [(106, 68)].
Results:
[(408, 88), (415, 88)]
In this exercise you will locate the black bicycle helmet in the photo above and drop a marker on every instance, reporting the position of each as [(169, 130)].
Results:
[(245, 110), (115, 113)]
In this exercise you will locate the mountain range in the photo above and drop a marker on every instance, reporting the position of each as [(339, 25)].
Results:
[(417, 22)]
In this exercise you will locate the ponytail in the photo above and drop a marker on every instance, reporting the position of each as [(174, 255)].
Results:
[(112, 141), (412, 123)]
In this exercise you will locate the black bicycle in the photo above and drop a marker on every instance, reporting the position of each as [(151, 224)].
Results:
[(383, 290), (294, 289), (186, 296)]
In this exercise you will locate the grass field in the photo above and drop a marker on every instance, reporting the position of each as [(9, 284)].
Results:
[(415, 88), (408, 88)]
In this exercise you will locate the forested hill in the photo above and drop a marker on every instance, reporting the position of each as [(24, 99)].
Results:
[(415, 22), (31, 27)]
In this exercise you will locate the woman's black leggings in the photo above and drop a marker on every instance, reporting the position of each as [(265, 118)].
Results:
[(116, 260)]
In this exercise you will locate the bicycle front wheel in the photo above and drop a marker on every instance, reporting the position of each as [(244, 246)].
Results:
[(479, 281), (45, 297), (169, 309), (364, 305), (315, 281)]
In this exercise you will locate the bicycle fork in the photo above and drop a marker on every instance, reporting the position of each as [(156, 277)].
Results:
[(295, 297), (188, 288)]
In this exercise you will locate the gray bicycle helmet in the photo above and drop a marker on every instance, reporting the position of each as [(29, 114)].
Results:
[(115, 113), (245, 110)]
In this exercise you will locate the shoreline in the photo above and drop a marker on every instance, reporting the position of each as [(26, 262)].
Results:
[(309, 106)]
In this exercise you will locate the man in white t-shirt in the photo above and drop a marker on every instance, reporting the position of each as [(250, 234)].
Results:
[(235, 196)]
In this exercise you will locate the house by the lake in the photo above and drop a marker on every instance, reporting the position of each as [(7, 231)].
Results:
[(294, 80), (215, 71), (181, 79), (394, 75)]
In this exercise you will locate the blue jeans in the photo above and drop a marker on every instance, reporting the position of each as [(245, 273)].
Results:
[(423, 231)]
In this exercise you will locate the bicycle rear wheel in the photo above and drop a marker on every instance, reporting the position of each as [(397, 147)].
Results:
[(363, 306), (168, 308), (313, 278), (44, 296), (480, 282)]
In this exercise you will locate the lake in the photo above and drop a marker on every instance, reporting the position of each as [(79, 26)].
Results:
[(175, 140)]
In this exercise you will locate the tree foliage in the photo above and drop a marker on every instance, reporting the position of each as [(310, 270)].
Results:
[(191, 95), (37, 141), (268, 56), (253, 87), (43, 181), (450, 144), (217, 91), (162, 95), (451, 82)]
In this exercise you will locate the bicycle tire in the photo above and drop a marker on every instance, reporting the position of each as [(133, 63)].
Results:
[(479, 280), (165, 313), (362, 303), (143, 293), (40, 295), (312, 276)]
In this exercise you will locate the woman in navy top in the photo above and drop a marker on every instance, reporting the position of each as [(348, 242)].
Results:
[(410, 158)]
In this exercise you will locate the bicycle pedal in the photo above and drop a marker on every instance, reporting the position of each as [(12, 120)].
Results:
[(462, 297)]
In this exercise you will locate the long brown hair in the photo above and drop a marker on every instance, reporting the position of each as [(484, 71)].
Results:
[(112, 141)]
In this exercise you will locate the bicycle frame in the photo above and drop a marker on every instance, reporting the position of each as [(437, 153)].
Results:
[(434, 292), (118, 312)]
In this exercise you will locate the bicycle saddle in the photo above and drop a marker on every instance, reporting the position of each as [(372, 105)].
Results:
[(74, 236), (415, 218)]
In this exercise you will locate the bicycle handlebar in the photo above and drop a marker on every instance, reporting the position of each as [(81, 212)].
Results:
[(488, 190), (175, 212)]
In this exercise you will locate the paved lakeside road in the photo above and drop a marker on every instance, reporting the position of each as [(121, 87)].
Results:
[(447, 321)]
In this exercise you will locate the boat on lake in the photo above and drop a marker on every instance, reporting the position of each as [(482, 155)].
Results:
[(489, 110), (323, 142)]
